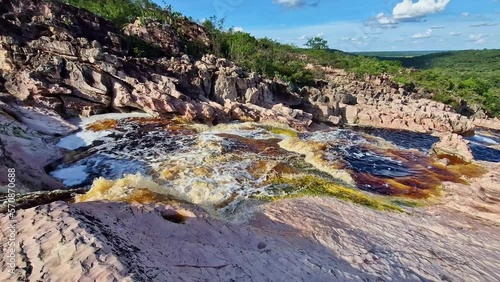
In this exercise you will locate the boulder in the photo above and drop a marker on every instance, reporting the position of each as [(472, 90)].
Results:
[(452, 147), (28, 152), (42, 120)]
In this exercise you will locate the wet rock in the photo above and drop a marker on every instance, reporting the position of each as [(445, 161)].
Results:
[(45, 121), (453, 146), (30, 200), (28, 152), (281, 242)]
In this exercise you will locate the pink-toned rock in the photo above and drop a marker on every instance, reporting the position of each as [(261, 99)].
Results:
[(43, 120), (351, 114), (28, 153), (493, 123), (453, 145), (305, 239)]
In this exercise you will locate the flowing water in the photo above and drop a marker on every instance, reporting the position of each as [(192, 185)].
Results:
[(485, 145), (219, 166)]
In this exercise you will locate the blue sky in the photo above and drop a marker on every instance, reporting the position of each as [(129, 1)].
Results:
[(361, 25)]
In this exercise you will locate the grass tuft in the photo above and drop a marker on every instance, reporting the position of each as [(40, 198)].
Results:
[(310, 185), (281, 130)]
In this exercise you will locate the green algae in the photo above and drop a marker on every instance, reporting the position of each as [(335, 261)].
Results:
[(315, 186), (280, 130)]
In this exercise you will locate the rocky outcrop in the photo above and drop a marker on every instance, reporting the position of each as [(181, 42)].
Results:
[(73, 70), (453, 147), (493, 123), (74, 63), (28, 152), (43, 120), (173, 38), (379, 102), (30, 200)]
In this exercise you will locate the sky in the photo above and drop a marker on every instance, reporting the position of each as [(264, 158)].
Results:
[(360, 25)]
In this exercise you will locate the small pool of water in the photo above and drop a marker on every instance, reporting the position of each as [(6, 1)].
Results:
[(362, 160), (485, 145), (381, 167), (404, 139)]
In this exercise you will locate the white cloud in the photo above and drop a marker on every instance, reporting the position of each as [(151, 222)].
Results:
[(483, 24), (302, 37), (408, 10), (437, 27), (290, 3), (477, 38), (464, 14), (384, 20), (381, 21), (453, 33), (237, 28), (355, 40), (296, 3), (425, 34)]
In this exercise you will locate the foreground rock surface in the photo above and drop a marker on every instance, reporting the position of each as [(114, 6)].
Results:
[(308, 239)]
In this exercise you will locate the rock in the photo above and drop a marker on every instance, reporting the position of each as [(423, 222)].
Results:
[(100, 239), (156, 33), (28, 153), (335, 120), (252, 95), (416, 116), (45, 121), (225, 88), (493, 123), (30, 200), (351, 114), (345, 98), (453, 146)]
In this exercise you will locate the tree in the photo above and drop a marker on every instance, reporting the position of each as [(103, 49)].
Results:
[(317, 43)]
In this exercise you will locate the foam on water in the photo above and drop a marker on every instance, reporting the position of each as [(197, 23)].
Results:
[(84, 121), (81, 139), (218, 167), (71, 175), (378, 166), (84, 171), (485, 145), (484, 140), (85, 137)]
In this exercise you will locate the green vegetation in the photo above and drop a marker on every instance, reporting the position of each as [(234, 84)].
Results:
[(317, 43), (122, 12), (311, 185), (394, 54), (473, 76), (280, 130), (264, 56)]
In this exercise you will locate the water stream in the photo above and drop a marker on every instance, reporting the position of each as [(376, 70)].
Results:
[(218, 166)]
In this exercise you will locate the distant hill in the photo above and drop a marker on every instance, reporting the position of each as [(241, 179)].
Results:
[(395, 54), (473, 75), (478, 60)]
